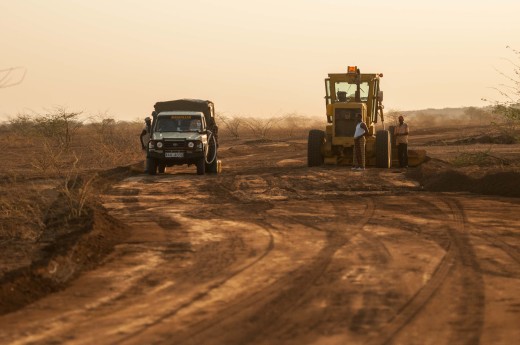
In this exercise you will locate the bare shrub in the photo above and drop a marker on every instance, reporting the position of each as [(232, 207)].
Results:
[(260, 128), (231, 124), (477, 115), (76, 190), (49, 159), (392, 117), (294, 124), (478, 158), (508, 107), (59, 125), (21, 211), (104, 128), (109, 143), (21, 124)]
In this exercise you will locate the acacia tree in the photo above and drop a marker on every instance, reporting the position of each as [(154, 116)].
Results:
[(508, 108), (59, 125), (12, 76)]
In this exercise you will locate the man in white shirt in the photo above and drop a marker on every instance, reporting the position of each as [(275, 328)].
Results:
[(401, 139), (359, 143)]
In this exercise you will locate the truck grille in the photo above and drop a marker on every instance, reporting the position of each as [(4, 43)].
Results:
[(345, 122), (174, 144)]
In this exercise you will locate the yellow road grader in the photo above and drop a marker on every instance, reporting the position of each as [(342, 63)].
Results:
[(347, 95)]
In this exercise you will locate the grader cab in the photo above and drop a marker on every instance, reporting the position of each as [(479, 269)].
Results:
[(347, 95)]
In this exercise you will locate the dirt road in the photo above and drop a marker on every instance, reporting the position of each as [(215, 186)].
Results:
[(273, 252)]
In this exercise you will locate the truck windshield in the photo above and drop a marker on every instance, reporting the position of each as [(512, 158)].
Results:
[(350, 89), (178, 123)]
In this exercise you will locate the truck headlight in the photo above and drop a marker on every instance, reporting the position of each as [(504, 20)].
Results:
[(150, 145), (191, 144), (159, 144)]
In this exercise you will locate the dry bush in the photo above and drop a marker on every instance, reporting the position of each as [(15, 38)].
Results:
[(110, 143), (22, 209), (478, 157), (294, 125), (58, 125), (392, 117), (48, 159), (288, 126), (260, 128), (76, 188), (507, 108), (231, 125)]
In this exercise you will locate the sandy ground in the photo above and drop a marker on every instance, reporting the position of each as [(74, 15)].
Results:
[(273, 252)]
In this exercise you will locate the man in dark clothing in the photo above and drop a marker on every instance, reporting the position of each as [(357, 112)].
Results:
[(145, 134), (145, 138)]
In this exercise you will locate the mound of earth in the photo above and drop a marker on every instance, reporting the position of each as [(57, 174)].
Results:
[(481, 139), (437, 176), (68, 247)]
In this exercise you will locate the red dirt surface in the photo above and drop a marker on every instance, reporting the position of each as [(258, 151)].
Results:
[(273, 252)]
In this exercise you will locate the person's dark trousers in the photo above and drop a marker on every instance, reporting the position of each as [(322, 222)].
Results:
[(402, 153)]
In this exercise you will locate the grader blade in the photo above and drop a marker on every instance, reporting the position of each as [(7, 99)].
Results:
[(416, 157)]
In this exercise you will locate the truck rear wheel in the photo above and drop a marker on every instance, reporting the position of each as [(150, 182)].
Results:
[(213, 167), (201, 166), (151, 166), (383, 149), (314, 143)]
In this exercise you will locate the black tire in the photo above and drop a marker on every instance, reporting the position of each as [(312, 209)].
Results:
[(151, 166), (201, 166), (161, 168), (383, 150), (391, 129), (213, 167), (314, 144)]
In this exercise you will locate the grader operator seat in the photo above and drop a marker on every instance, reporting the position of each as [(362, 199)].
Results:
[(342, 96)]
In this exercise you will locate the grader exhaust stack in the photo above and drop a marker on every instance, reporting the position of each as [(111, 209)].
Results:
[(348, 95)]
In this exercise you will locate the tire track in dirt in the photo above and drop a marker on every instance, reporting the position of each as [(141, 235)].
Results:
[(471, 306), (468, 325), (459, 251), (201, 295), (277, 300), (349, 227)]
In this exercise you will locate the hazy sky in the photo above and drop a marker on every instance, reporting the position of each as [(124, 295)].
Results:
[(256, 58)]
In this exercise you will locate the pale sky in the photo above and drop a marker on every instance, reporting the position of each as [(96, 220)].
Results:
[(253, 58)]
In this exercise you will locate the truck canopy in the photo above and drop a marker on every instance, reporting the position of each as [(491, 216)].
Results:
[(205, 106)]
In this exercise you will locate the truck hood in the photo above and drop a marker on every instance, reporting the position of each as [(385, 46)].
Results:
[(177, 135)]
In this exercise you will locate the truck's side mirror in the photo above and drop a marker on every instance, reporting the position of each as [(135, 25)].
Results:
[(380, 96)]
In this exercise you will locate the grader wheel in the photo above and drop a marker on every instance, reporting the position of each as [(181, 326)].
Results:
[(316, 140), (383, 150)]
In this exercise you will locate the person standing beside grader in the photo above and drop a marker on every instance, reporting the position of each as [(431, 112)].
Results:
[(401, 140), (359, 144)]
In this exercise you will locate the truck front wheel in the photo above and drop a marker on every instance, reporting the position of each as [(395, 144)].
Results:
[(151, 166), (201, 166)]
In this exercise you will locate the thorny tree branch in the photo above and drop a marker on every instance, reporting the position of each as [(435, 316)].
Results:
[(8, 78)]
